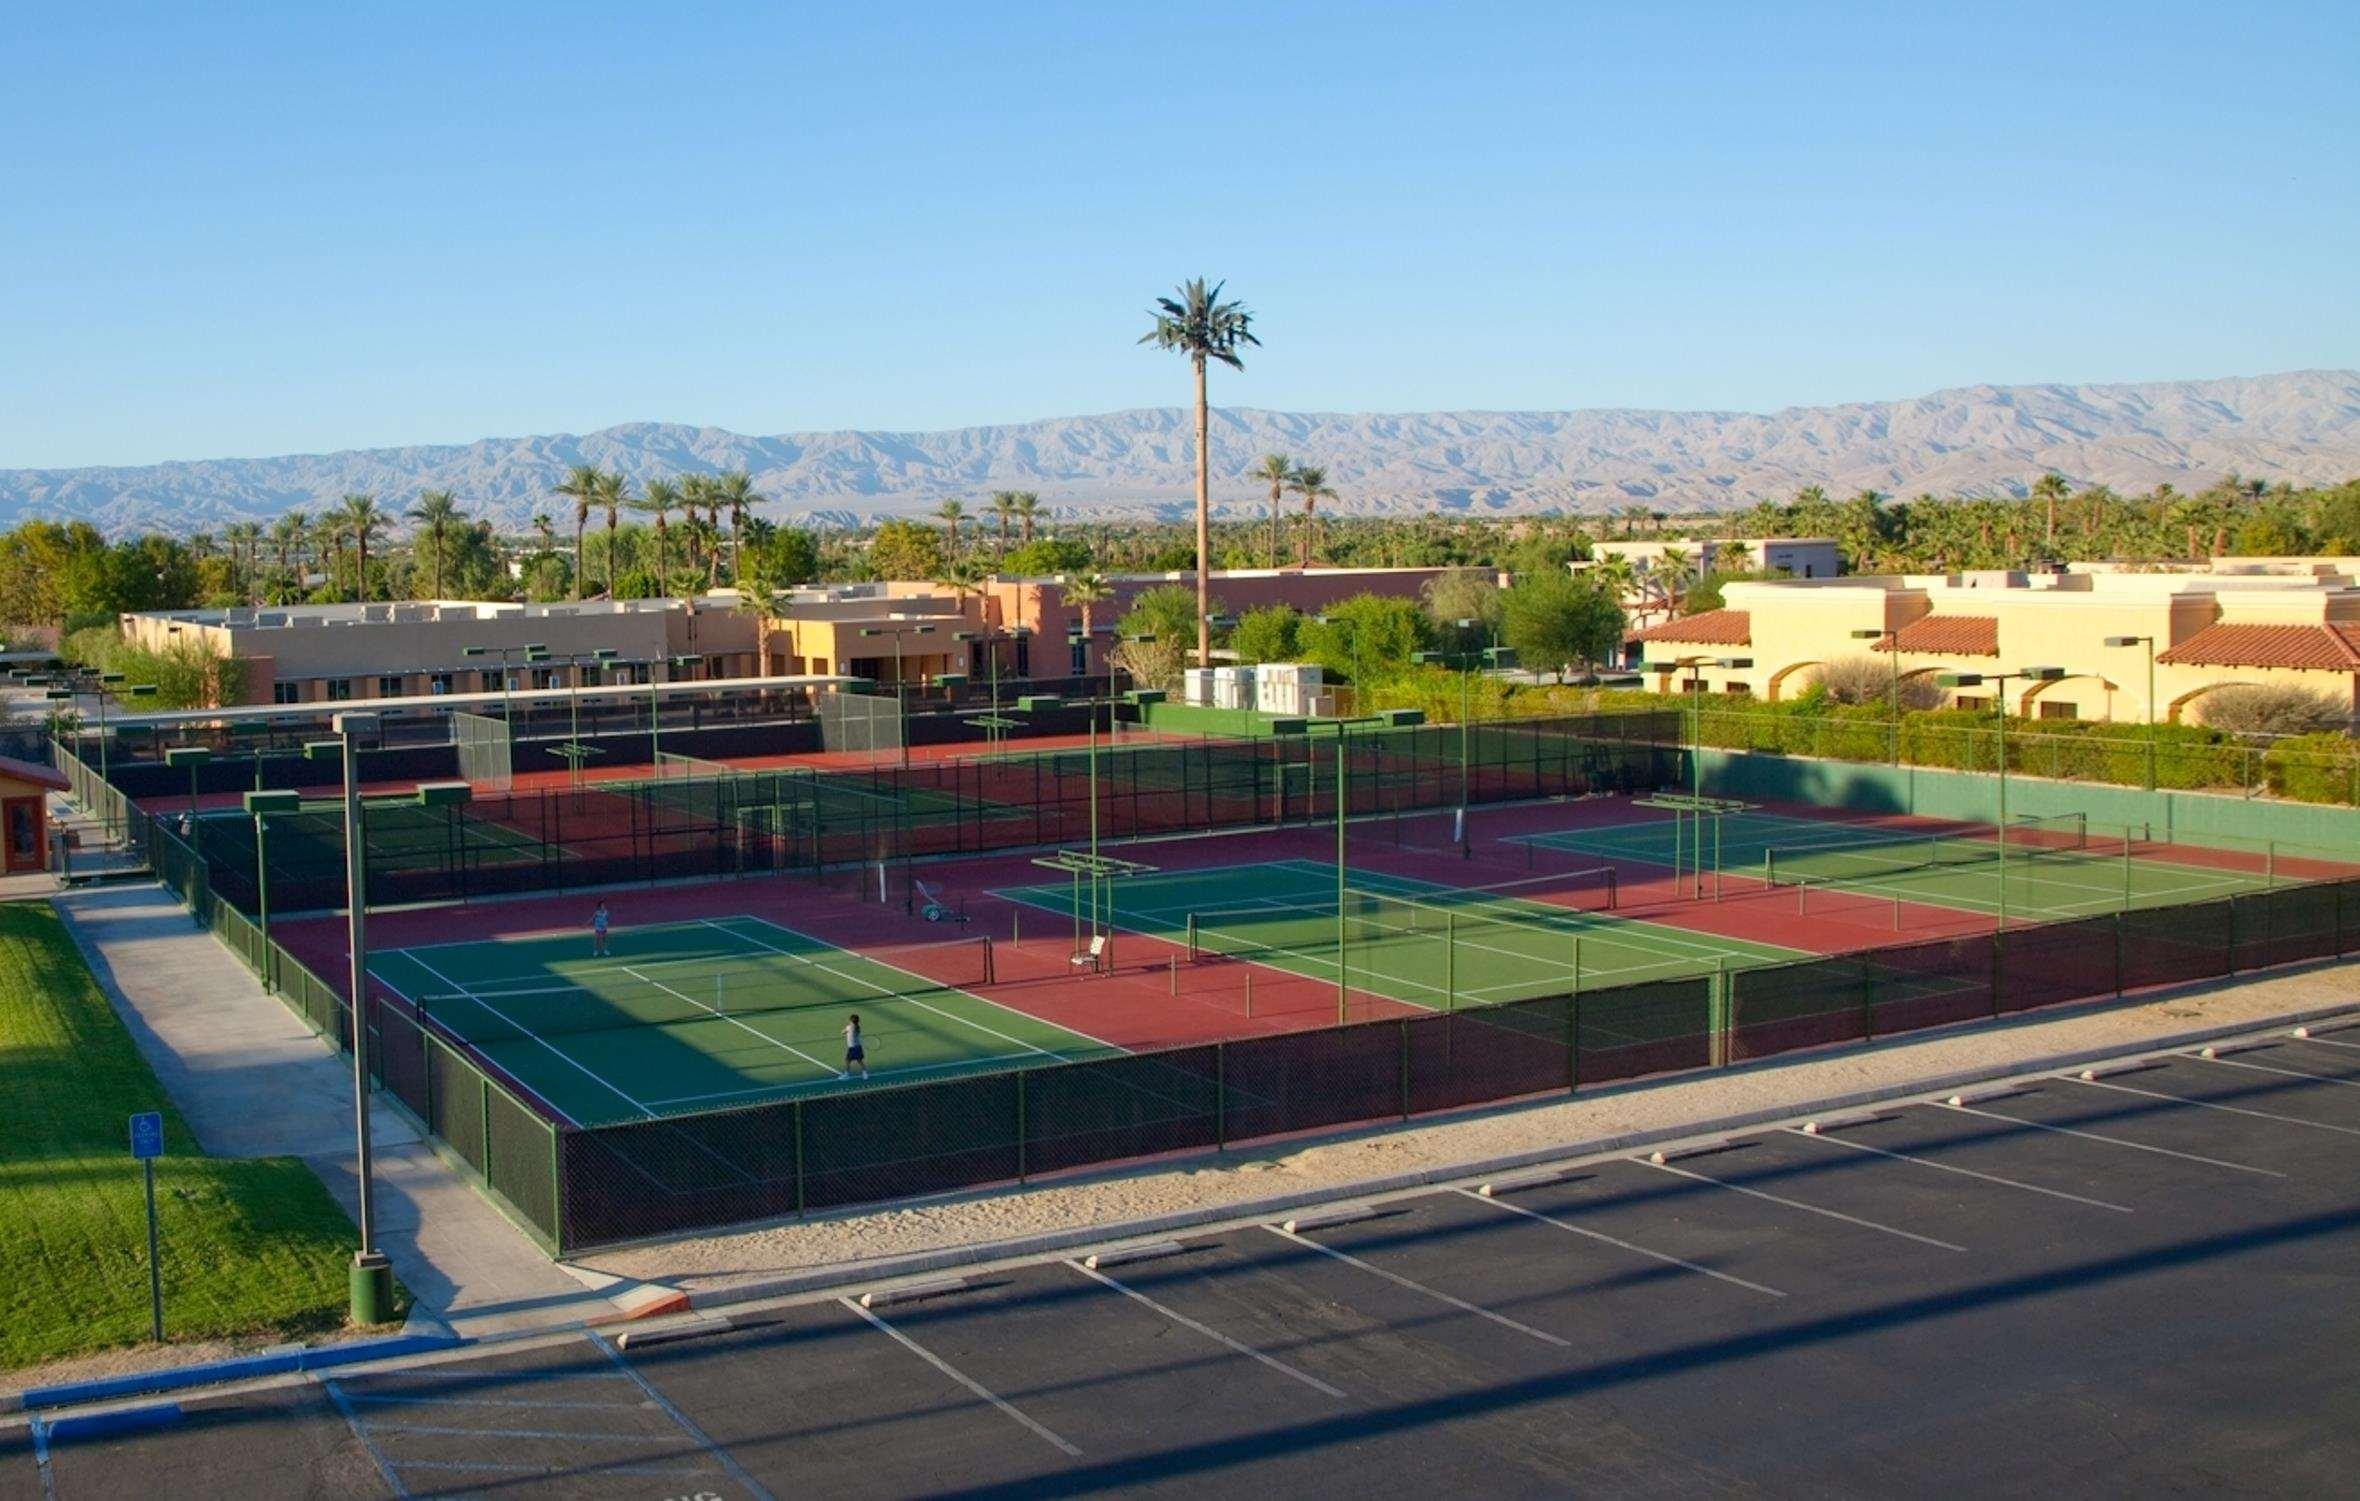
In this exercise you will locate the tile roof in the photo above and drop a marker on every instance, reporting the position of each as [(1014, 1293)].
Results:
[(2333, 647), (1709, 628), (1946, 636)]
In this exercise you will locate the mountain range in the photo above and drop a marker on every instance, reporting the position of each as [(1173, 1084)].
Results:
[(2301, 426)]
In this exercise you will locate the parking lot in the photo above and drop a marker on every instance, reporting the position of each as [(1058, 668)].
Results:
[(2143, 1279)]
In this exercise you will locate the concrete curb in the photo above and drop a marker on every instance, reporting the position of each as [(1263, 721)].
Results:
[(240, 1368), (820, 1279), (109, 1424)]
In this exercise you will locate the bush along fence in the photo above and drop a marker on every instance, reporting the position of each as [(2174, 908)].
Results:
[(573, 1188)]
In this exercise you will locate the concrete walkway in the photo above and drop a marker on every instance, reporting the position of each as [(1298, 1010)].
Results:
[(253, 1081)]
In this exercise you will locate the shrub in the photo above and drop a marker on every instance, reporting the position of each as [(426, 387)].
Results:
[(1868, 680), (2272, 709)]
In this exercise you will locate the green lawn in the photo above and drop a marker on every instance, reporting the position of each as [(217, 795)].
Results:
[(250, 1247)]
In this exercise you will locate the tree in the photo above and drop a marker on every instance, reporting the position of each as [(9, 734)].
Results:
[(2048, 490), (614, 492), (581, 485), (1462, 594), (287, 535), (1199, 325), (1706, 594), (660, 499), (906, 550), (362, 519), (1267, 634), (2273, 709), (1366, 637), (1275, 470), (1162, 616), (1554, 622), (735, 490), (543, 532), (1028, 513), (436, 512), (780, 558), (1003, 508), (951, 513), (1310, 482), (1049, 555), (1869, 680), (245, 542)]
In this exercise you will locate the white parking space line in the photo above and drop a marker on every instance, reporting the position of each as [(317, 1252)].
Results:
[(1185, 1322), (1636, 1250), (1964, 1172), (2264, 1068), (1739, 1188), (2112, 1141), (353, 1396), (961, 1377), (1436, 1294), (2328, 1042), (680, 1420), (352, 1420), (2179, 1099)]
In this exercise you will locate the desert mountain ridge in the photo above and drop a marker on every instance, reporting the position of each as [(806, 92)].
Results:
[(1987, 440)]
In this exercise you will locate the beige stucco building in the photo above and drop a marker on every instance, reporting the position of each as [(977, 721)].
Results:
[(1653, 593), (2274, 620)]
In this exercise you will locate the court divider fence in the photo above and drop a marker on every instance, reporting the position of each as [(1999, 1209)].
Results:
[(577, 1186)]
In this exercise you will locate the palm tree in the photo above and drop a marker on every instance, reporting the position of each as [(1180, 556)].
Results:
[(1276, 469), (759, 602), (1198, 324), (614, 493), (1310, 482), (582, 485), (1086, 593), (716, 501), (286, 534), (1003, 507), (952, 513), (1028, 512), (1631, 517), (660, 500), (436, 511), (244, 539), (736, 489), (544, 532), (2048, 490), (361, 520), (690, 500)]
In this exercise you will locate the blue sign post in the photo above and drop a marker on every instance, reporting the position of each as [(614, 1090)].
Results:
[(147, 1144)]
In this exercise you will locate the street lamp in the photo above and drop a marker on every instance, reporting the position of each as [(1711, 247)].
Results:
[(192, 757), (991, 638), (1999, 700), (531, 652), (261, 806)]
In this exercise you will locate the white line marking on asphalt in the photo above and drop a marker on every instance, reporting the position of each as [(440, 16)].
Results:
[(1923, 1240), (1419, 1287), (1534, 1214), (1185, 1322), (352, 1420), (508, 1469), (41, 1459), (353, 1396), (1964, 1172), (2264, 1068), (2112, 1141), (959, 1376), (2328, 1042), (2178, 1099), (720, 1456)]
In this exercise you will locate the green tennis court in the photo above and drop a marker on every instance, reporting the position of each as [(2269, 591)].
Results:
[(689, 1016), (1421, 943), (2053, 867)]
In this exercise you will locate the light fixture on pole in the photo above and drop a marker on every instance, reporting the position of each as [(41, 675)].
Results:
[(192, 757), (262, 806)]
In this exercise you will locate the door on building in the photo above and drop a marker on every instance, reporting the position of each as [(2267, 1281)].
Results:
[(24, 834)]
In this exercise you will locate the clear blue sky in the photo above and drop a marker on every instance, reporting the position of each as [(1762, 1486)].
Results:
[(250, 229)]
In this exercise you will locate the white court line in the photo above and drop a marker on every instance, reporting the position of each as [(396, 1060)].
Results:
[(531, 1035), (1923, 1240), (1663, 1256), (736, 1022), (2113, 1141), (910, 999), (2264, 1068), (1185, 1322), (960, 1377), (2181, 1099), (1964, 1172), (720, 1456), (2327, 1042), (1436, 1294)]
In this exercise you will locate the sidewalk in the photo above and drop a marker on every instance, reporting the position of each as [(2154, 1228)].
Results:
[(253, 1081)]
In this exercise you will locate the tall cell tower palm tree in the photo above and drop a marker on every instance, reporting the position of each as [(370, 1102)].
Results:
[(1275, 470), (581, 486), (1198, 324), (1310, 482), (436, 512)]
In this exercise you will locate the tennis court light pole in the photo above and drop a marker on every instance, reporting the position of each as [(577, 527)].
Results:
[(260, 806), (192, 757), (1999, 700)]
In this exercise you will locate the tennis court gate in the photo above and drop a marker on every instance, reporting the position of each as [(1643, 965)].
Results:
[(486, 756), (850, 721)]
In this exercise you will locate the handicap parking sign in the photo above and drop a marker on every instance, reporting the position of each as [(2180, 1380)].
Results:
[(147, 1135)]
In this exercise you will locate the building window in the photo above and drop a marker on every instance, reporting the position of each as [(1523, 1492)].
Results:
[(1078, 658), (1024, 656), (389, 687), (441, 682), (544, 677), (2051, 709), (1736, 689), (1970, 701), (339, 690), (286, 693)]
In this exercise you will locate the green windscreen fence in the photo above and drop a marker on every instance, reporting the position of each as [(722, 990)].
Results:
[(486, 755), (858, 721)]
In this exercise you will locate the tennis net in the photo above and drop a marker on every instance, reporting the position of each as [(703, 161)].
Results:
[(1849, 856), (653, 995), (1551, 904)]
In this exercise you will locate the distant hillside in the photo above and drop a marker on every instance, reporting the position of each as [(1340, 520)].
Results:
[(2302, 427)]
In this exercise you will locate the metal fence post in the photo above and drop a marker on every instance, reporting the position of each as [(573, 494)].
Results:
[(1022, 1075), (1405, 1068), (798, 1119), (1221, 1096)]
